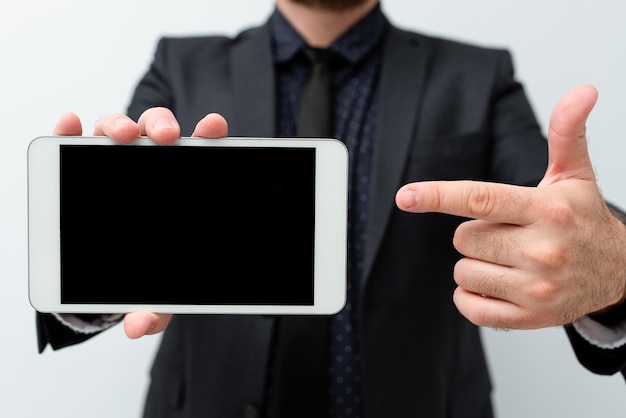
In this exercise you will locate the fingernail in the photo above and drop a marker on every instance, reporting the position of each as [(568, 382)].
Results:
[(408, 198), (164, 123), (122, 122)]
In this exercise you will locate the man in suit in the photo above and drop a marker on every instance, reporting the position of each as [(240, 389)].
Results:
[(433, 127)]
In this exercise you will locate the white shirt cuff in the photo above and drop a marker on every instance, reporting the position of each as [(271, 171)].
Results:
[(98, 324), (600, 335)]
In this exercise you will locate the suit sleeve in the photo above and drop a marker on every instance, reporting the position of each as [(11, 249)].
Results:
[(52, 331), (605, 361)]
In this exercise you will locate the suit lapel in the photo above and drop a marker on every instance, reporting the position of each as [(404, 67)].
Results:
[(253, 85), (403, 73)]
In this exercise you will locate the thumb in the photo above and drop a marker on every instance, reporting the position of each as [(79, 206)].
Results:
[(567, 141)]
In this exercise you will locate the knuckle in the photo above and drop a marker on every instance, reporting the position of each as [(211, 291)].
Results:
[(552, 256), (435, 197), (543, 291), (481, 200), (479, 316)]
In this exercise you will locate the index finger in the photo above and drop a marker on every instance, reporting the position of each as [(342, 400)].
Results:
[(492, 202), (160, 125)]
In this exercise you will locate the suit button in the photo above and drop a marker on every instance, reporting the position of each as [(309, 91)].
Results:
[(250, 411)]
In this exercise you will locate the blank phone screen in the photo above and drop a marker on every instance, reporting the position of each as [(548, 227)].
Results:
[(187, 225)]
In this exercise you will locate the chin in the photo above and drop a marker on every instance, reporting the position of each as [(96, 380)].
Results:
[(336, 5)]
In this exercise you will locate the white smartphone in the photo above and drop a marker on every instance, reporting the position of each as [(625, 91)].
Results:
[(232, 225)]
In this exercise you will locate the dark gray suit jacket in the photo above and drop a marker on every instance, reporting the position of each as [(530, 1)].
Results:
[(447, 111)]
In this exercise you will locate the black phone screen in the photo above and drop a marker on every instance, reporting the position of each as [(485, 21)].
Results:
[(187, 225)]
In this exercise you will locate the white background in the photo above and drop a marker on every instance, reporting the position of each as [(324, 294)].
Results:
[(71, 55)]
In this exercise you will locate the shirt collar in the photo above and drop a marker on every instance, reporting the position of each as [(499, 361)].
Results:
[(352, 46)]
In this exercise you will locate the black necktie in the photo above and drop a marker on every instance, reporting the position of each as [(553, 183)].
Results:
[(315, 107), (302, 353)]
